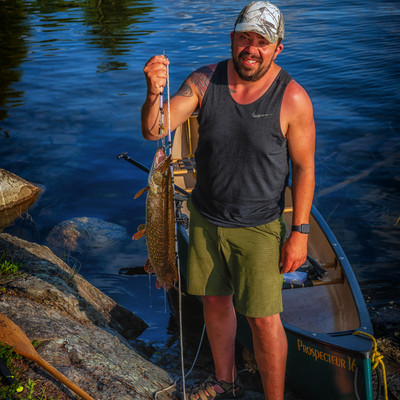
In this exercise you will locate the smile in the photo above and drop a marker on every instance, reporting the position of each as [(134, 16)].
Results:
[(250, 61)]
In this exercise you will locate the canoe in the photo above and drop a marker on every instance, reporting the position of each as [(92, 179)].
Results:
[(327, 357)]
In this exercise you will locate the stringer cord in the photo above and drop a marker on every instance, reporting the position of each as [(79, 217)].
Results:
[(169, 118), (184, 376), (176, 243), (176, 252)]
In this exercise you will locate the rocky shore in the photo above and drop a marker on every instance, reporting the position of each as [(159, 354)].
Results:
[(90, 338), (81, 331)]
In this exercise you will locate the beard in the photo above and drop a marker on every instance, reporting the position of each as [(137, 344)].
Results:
[(247, 74)]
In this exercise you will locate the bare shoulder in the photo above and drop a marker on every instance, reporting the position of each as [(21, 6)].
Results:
[(297, 116), (197, 81), (296, 99)]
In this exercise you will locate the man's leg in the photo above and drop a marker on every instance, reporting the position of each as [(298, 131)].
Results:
[(220, 319), (270, 350)]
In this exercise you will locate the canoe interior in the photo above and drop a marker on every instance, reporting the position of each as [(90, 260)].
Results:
[(327, 308)]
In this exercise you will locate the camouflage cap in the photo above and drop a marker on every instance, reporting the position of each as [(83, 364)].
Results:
[(263, 18)]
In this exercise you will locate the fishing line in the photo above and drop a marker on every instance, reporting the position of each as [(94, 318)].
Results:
[(169, 120), (177, 262), (150, 293), (161, 126)]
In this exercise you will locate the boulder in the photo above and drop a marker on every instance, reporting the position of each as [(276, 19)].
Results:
[(85, 235), (82, 332), (16, 196)]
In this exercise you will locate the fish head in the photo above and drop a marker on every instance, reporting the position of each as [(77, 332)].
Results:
[(160, 167), (159, 157)]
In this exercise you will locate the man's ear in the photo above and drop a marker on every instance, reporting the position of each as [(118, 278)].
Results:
[(278, 49)]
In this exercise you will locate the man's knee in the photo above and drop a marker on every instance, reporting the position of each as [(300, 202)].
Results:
[(217, 301), (269, 323)]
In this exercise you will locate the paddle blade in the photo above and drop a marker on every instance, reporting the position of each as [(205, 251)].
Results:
[(12, 335)]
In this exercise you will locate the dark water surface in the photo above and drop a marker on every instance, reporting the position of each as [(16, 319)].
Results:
[(71, 89)]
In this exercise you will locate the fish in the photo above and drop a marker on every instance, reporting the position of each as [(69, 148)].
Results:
[(159, 227)]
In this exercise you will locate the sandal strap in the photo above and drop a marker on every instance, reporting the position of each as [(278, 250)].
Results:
[(206, 391)]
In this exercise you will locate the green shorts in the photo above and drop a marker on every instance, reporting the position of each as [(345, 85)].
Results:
[(240, 261)]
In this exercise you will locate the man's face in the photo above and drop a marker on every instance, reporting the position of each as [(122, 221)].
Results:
[(252, 55)]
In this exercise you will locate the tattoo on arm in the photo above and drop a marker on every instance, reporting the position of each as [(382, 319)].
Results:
[(185, 90), (201, 78)]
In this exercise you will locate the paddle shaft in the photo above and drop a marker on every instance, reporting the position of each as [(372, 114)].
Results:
[(62, 378)]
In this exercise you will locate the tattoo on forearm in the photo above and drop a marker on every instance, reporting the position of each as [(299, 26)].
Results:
[(185, 90)]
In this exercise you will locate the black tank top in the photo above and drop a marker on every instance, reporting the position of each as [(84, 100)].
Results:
[(242, 156)]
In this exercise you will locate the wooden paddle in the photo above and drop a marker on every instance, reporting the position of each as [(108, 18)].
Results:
[(13, 336)]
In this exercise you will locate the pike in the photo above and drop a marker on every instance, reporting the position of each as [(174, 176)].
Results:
[(160, 222)]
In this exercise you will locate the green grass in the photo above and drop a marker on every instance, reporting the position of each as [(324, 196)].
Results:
[(8, 268), (10, 359), (21, 389)]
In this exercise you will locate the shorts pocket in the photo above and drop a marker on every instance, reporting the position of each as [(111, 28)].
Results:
[(275, 228)]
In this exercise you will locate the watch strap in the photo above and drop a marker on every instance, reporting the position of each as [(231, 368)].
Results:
[(303, 228)]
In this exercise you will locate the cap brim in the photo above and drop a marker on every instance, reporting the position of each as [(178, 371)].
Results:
[(246, 27)]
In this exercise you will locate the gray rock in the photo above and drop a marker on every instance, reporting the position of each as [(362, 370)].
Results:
[(82, 332), (84, 235)]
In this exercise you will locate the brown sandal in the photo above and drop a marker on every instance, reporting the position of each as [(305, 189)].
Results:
[(206, 391)]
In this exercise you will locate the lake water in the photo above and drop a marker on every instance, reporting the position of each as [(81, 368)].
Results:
[(71, 90)]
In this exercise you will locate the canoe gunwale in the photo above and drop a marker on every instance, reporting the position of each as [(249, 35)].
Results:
[(365, 322)]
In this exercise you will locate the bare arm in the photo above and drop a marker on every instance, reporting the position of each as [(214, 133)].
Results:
[(182, 104), (301, 143)]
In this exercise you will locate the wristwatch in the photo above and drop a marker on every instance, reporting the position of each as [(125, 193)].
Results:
[(303, 228)]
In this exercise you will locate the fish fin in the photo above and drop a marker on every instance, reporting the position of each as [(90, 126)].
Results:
[(167, 286), (148, 267), (140, 233), (140, 192)]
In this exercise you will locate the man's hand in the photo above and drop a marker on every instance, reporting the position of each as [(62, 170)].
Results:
[(155, 71), (294, 252)]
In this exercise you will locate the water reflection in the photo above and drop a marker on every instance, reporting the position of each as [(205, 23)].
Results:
[(13, 50), (112, 28)]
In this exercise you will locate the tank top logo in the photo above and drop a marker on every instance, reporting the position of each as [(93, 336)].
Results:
[(254, 115)]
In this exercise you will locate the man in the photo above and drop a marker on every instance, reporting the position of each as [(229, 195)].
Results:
[(252, 117)]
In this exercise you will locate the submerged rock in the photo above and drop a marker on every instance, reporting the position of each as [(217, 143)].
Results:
[(82, 332), (16, 196), (84, 235)]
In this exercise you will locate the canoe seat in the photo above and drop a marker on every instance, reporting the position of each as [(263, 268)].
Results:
[(311, 273), (184, 166)]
